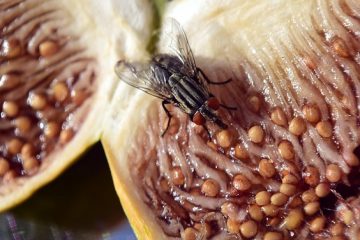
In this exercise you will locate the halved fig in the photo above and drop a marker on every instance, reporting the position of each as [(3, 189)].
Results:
[(56, 80), (283, 166)]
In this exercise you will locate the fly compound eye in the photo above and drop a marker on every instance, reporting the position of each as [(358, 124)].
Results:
[(213, 103), (198, 119)]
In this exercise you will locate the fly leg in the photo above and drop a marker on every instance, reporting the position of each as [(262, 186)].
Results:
[(164, 102), (224, 106), (227, 107), (211, 82), (216, 83), (208, 132)]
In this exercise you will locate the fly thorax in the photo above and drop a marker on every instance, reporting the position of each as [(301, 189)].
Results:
[(159, 72), (174, 80)]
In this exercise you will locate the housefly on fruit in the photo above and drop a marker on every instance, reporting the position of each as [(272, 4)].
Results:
[(176, 80)]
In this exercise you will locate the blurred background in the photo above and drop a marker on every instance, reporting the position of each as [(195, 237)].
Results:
[(80, 204)]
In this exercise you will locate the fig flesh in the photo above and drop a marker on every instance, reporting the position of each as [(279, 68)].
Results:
[(291, 144), (56, 74)]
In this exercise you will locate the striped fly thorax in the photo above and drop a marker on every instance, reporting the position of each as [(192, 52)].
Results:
[(189, 95)]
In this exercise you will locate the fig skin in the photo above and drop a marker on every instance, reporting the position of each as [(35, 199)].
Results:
[(139, 215), (223, 37)]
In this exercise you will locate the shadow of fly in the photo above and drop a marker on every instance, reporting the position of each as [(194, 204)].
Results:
[(175, 79)]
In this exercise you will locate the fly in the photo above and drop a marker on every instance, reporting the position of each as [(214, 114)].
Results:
[(176, 80)]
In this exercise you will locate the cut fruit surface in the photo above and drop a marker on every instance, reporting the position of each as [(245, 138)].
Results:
[(56, 75), (291, 145)]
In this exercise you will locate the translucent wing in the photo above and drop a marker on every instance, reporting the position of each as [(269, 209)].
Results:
[(142, 76), (179, 46)]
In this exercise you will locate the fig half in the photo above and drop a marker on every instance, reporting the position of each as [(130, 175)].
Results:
[(56, 81), (279, 171)]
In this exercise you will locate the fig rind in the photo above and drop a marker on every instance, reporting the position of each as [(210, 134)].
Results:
[(138, 214)]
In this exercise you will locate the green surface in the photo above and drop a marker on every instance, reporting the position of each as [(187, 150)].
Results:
[(80, 204), (159, 8)]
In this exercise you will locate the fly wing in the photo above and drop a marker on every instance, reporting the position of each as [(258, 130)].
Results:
[(179, 45), (143, 77)]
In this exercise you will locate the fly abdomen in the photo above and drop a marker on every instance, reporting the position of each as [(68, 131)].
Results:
[(211, 116)]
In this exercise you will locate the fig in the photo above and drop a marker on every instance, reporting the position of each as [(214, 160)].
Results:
[(284, 166), (56, 81)]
